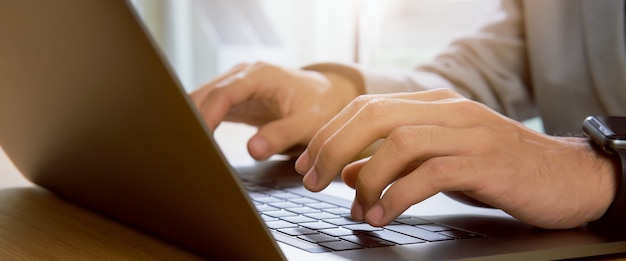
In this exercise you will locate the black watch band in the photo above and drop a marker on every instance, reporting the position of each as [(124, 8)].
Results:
[(617, 210)]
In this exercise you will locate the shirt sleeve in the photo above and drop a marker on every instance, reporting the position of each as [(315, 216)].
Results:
[(489, 66)]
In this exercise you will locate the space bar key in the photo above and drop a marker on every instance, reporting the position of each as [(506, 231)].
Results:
[(295, 242)]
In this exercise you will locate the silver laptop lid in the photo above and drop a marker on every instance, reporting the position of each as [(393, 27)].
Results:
[(89, 110)]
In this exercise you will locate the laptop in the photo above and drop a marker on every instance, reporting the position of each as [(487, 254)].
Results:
[(90, 111)]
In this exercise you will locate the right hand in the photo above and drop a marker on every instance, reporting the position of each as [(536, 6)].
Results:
[(287, 105)]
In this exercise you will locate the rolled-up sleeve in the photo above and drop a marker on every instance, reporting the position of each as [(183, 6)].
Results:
[(489, 66)]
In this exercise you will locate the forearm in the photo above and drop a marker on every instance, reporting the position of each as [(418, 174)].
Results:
[(343, 77), (489, 66)]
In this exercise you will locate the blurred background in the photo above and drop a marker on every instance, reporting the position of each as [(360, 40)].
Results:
[(204, 38)]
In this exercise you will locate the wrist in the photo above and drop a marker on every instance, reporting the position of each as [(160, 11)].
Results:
[(595, 188), (340, 72), (610, 172), (615, 177), (342, 87), (608, 135)]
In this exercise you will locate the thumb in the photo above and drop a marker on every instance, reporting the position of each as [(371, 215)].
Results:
[(277, 136)]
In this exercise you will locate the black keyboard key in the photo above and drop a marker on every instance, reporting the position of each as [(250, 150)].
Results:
[(394, 237), (367, 240), (341, 245), (299, 243), (318, 238)]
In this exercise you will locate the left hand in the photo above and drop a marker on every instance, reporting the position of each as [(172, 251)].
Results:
[(288, 106), (437, 141)]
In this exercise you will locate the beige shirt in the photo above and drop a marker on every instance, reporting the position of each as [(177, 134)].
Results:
[(559, 59)]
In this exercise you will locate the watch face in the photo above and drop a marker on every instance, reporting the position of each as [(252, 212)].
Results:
[(612, 127)]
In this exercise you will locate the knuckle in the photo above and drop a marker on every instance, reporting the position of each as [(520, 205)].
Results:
[(470, 108), (436, 167), (326, 151), (400, 139), (326, 160), (373, 109), (361, 100), (439, 170), (452, 174)]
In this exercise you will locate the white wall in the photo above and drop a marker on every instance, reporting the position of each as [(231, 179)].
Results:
[(201, 44)]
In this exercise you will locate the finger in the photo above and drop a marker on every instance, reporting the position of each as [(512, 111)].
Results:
[(374, 121), (304, 165), (404, 148), (278, 136), (466, 199), (198, 95), (232, 91), (435, 175), (351, 171)]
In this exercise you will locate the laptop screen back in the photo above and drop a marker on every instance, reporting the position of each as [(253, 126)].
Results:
[(89, 111)]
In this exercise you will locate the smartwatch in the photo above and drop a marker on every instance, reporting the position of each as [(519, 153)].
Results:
[(609, 134)]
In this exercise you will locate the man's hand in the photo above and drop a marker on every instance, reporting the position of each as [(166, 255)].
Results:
[(438, 141), (288, 106)]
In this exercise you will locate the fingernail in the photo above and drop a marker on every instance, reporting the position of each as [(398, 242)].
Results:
[(357, 211), (375, 214), (310, 179), (259, 148), (302, 162)]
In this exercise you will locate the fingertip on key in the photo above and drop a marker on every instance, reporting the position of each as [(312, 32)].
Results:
[(310, 180), (302, 163)]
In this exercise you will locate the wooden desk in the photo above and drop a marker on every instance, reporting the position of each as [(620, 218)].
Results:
[(36, 225)]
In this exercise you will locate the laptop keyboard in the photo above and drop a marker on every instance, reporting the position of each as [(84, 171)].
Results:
[(317, 226)]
